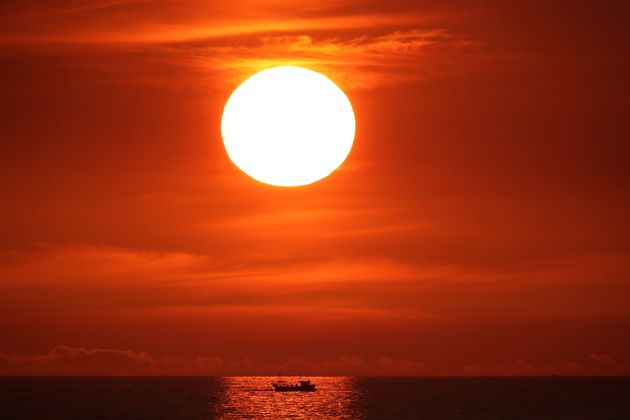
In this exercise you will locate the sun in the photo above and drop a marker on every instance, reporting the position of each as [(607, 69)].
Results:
[(288, 126)]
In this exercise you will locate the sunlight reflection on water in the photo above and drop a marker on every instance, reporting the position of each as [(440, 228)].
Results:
[(157, 398), (254, 397)]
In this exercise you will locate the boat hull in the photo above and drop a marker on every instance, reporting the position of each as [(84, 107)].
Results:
[(294, 388)]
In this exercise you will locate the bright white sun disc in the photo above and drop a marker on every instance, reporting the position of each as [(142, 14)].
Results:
[(288, 126)]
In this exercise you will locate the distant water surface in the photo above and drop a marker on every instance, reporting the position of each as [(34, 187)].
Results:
[(337, 397)]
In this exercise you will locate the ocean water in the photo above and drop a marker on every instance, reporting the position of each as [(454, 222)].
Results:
[(336, 398)]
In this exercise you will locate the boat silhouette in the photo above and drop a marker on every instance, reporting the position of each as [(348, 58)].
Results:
[(301, 386)]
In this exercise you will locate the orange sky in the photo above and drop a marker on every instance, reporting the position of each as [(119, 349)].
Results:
[(479, 226)]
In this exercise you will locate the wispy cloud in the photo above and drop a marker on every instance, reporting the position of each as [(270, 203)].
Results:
[(112, 278), (95, 266), (275, 281), (359, 47), (65, 360), (593, 364), (143, 29), (357, 62), (354, 61), (80, 6)]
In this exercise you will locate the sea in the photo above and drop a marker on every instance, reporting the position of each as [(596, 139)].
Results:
[(335, 398)]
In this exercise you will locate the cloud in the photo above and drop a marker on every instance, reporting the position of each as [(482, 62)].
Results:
[(356, 366), (204, 365), (93, 266), (358, 48), (355, 62), (594, 364), (79, 6), (64, 360), (89, 277), (603, 359), (141, 22), (271, 279)]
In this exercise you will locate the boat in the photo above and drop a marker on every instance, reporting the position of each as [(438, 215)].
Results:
[(301, 386)]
